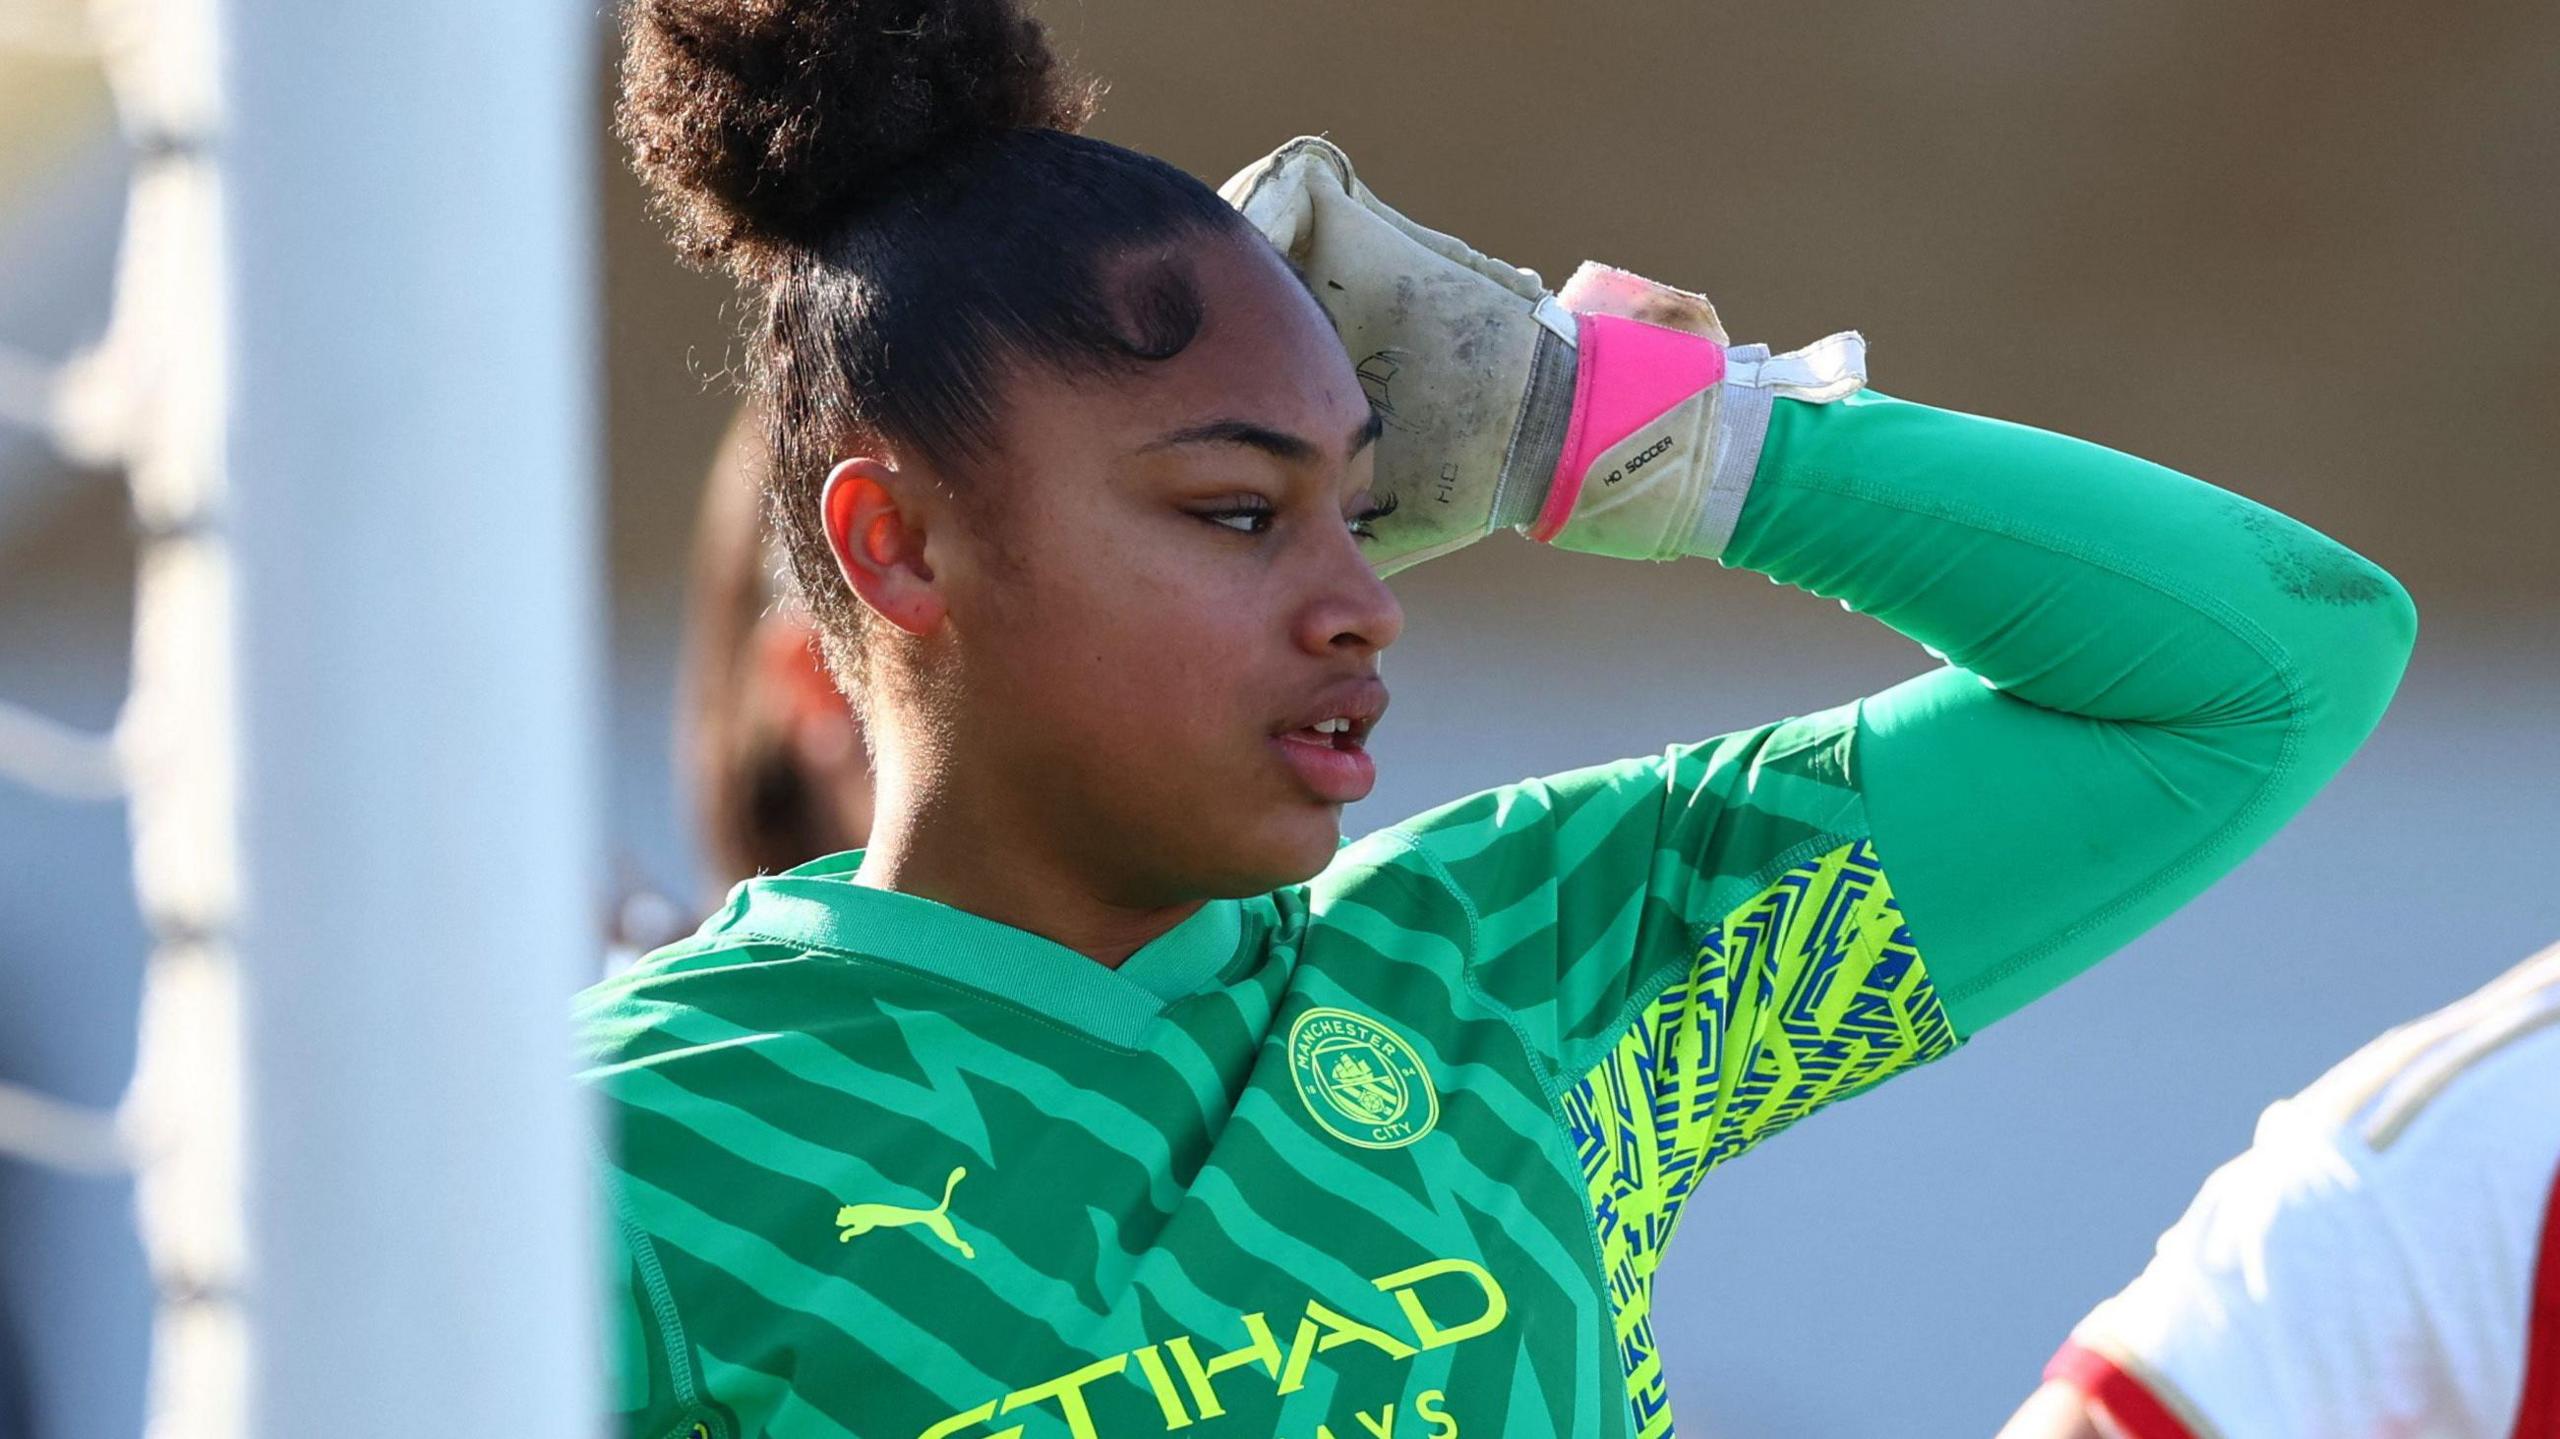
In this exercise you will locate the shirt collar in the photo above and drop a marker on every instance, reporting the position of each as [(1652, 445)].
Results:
[(818, 906)]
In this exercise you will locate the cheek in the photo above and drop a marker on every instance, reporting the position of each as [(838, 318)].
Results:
[(1136, 651), (1138, 699)]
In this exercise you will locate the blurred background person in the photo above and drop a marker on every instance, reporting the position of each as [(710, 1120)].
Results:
[(769, 757), (770, 754), (2383, 1262)]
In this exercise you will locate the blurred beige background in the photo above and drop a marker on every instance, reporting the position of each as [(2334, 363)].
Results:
[(2308, 250), (2304, 250)]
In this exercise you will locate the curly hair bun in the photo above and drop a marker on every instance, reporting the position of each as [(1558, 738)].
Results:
[(762, 125)]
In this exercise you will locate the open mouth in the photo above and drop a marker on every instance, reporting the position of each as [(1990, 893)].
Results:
[(1329, 750), (1342, 732)]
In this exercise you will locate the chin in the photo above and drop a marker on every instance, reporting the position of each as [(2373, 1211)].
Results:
[(1283, 854), (1309, 846)]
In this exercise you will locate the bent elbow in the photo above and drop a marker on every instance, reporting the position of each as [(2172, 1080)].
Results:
[(2352, 663), (2399, 621)]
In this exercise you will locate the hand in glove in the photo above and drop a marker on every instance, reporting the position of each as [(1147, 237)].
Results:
[(1629, 429)]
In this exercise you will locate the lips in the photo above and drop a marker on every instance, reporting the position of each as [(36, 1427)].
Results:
[(1325, 742), (1341, 714)]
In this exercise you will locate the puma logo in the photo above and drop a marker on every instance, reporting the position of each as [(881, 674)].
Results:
[(863, 1218)]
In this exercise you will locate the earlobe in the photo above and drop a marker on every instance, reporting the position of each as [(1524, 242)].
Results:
[(878, 539)]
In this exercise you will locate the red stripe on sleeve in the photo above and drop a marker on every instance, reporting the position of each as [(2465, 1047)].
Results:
[(2538, 1416), (2136, 1410)]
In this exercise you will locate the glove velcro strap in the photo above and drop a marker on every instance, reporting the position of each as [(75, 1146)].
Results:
[(1538, 439), (1830, 368), (1628, 375)]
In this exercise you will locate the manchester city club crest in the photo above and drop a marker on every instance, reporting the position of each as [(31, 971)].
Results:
[(1361, 1080)]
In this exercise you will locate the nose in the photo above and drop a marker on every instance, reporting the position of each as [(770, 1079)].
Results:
[(1351, 609)]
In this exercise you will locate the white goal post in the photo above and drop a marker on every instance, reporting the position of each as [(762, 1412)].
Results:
[(364, 745)]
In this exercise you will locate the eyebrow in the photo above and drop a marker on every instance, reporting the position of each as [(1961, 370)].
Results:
[(1277, 443)]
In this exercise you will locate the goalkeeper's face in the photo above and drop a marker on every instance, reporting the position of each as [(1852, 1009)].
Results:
[(1166, 645)]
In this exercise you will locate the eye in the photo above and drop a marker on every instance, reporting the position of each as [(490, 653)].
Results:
[(1364, 524), (1245, 517)]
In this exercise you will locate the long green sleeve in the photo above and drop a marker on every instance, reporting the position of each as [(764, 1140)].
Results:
[(2148, 675)]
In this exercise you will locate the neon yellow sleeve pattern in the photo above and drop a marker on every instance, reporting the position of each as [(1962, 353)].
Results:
[(1806, 993)]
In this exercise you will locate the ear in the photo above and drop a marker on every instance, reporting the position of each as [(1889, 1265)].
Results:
[(879, 543)]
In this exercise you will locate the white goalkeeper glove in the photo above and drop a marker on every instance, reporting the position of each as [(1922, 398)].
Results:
[(1628, 428)]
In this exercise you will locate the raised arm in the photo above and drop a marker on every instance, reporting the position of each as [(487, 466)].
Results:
[(2148, 675)]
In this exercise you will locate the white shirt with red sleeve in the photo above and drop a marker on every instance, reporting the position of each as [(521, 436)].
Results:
[(2382, 1263)]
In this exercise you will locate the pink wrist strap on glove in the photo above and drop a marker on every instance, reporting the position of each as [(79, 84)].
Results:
[(1629, 377), (1667, 420)]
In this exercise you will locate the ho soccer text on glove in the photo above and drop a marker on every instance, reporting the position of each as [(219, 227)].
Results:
[(1613, 418)]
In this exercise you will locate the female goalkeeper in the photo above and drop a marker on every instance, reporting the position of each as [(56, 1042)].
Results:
[(1103, 1095)]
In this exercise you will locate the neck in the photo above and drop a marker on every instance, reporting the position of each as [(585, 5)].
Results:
[(931, 841)]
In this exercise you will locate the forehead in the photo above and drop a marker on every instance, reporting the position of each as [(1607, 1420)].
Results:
[(1264, 353)]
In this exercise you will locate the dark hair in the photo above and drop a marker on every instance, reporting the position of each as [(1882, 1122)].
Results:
[(901, 184)]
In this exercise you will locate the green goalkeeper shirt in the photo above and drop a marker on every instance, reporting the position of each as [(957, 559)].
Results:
[(1396, 1151)]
